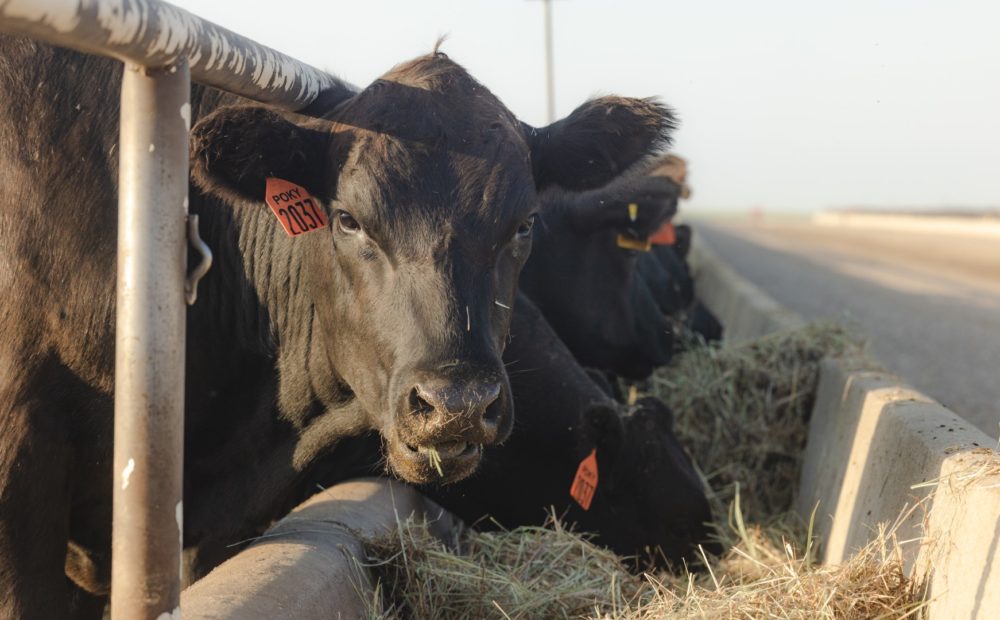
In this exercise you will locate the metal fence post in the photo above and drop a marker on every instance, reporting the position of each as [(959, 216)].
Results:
[(149, 388)]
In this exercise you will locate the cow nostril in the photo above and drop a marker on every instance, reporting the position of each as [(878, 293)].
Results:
[(492, 412), (418, 404)]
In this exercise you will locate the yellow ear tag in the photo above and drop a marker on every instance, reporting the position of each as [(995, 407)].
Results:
[(633, 212), (633, 244)]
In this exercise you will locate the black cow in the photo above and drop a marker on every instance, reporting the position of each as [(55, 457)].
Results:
[(649, 502), (606, 308), (392, 318), (677, 291), (615, 307)]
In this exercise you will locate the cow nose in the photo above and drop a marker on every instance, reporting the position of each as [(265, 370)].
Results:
[(458, 404)]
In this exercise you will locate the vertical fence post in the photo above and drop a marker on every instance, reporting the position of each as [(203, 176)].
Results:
[(149, 362)]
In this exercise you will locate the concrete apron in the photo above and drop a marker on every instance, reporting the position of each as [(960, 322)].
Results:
[(308, 565), (878, 449)]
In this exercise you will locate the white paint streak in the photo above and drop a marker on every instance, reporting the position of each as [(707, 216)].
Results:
[(186, 115), (59, 15), (177, 30), (125, 22), (127, 473), (167, 32), (174, 615), (179, 515)]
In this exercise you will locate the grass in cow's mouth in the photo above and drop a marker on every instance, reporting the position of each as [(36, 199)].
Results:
[(434, 458), (743, 413)]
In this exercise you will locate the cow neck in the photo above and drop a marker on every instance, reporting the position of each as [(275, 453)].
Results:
[(256, 297)]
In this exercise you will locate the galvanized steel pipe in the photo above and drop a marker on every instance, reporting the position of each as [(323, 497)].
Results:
[(147, 532), (157, 34)]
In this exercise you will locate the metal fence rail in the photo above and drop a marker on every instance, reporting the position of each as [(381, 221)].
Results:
[(156, 34), (163, 48)]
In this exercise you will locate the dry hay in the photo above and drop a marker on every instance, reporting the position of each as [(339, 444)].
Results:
[(530, 572), (553, 573), (743, 412)]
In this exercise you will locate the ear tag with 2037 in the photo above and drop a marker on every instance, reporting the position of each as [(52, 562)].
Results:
[(293, 206)]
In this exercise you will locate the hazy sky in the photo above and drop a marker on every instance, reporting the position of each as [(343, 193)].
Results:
[(784, 104)]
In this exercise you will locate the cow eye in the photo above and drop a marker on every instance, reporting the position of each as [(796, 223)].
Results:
[(347, 223), (524, 229)]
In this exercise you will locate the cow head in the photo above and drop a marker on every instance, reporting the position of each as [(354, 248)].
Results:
[(589, 288), (646, 480), (429, 186)]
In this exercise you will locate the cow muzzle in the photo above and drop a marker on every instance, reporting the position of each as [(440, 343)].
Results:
[(443, 422)]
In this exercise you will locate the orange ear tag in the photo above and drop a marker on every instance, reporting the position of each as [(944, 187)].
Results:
[(293, 206), (585, 483), (666, 235), (633, 244)]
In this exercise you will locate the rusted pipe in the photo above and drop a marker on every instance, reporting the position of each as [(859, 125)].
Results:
[(306, 566)]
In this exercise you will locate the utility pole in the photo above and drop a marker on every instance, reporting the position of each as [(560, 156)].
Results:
[(550, 94)]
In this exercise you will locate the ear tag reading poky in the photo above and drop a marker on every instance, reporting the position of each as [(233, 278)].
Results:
[(633, 212), (293, 206), (666, 235), (585, 483)]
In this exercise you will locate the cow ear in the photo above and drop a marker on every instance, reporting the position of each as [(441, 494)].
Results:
[(599, 140), (654, 200), (602, 428), (236, 148)]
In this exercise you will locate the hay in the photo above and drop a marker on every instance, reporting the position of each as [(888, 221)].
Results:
[(553, 573), (530, 572), (743, 412)]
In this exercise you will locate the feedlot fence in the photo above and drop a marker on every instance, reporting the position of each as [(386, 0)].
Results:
[(162, 48)]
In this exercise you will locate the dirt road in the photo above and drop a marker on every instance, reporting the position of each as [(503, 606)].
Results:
[(930, 304)]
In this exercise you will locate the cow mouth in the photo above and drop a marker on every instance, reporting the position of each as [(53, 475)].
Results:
[(433, 463), (445, 450)]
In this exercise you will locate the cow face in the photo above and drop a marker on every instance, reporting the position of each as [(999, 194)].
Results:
[(608, 311), (647, 480), (429, 184)]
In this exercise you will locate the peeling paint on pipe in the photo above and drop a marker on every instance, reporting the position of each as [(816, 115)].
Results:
[(156, 34)]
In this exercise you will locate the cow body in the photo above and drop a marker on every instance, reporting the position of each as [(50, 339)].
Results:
[(608, 311), (391, 319), (616, 307)]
